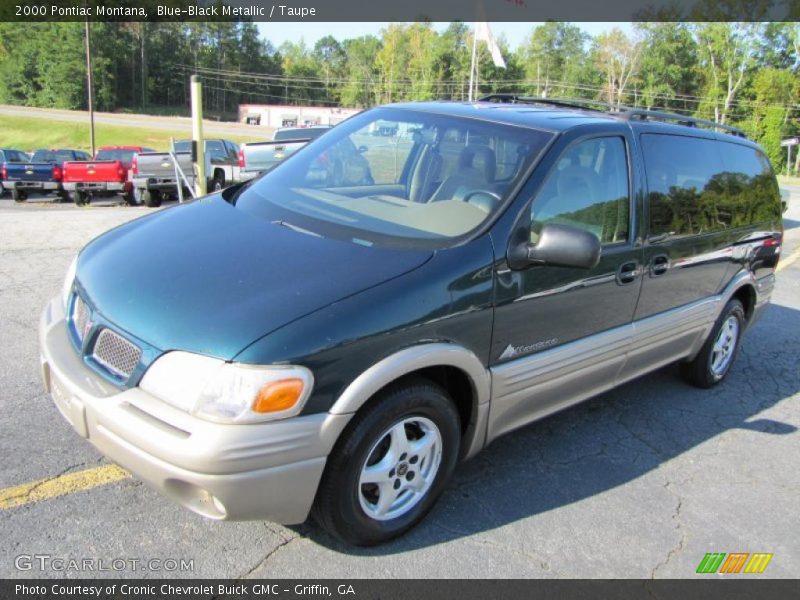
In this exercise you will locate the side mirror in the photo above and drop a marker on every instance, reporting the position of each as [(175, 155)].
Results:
[(558, 246)]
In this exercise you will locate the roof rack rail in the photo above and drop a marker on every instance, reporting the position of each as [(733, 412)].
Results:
[(581, 103), (642, 114), (624, 112)]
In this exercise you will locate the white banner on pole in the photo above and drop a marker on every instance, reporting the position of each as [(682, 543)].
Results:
[(483, 33)]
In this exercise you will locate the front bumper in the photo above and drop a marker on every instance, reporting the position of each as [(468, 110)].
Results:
[(261, 471), (116, 187)]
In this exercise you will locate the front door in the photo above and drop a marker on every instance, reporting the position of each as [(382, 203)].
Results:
[(560, 334)]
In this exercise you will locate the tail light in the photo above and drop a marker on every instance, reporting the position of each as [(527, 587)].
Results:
[(775, 242), (5, 172), (57, 173), (121, 172), (134, 166), (241, 159)]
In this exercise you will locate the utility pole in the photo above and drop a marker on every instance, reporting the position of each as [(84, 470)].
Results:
[(89, 85), (472, 67), (143, 58), (197, 136)]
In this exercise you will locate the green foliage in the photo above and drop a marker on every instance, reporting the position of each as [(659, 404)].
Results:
[(668, 67)]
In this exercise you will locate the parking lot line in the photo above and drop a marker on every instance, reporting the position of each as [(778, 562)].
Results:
[(69, 483), (785, 262)]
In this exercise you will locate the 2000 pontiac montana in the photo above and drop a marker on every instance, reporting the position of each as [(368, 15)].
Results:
[(337, 334)]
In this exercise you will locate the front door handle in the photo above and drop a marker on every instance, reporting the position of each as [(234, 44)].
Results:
[(659, 265), (628, 272)]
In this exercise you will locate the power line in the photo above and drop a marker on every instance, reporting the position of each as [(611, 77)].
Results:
[(452, 85)]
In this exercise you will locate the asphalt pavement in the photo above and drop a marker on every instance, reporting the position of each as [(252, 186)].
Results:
[(640, 482)]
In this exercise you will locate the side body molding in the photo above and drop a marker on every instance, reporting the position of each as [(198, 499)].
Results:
[(418, 357)]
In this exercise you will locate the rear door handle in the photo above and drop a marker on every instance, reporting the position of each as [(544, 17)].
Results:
[(628, 272), (659, 265)]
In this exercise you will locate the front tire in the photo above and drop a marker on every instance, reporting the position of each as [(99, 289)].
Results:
[(718, 354), (390, 465)]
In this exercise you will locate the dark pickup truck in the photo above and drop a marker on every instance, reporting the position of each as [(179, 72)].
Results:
[(43, 174), (10, 155)]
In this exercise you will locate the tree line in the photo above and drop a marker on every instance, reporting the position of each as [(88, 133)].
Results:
[(743, 74)]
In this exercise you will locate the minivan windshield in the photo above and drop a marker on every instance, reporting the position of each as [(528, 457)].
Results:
[(429, 179)]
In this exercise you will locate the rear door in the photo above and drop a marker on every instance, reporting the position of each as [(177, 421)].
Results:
[(561, 334), (687, 249)]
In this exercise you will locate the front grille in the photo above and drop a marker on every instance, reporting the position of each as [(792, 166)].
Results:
[(80, 316), (116, 353)]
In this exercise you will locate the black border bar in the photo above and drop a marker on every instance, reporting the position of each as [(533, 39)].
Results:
[(394, 11), (702, 588)]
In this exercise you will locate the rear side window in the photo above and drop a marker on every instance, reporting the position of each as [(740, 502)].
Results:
[(588, 188), (57, 156), (701, 186), (216, 151), (679, 173), (125, 156)]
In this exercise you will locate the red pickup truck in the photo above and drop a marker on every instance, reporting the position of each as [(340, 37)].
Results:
[(106, 175)]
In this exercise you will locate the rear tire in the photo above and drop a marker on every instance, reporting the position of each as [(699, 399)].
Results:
[(718, 354), (151, 199), (18, 196), (81, 198), (129, 198), (217, 184), (390, 465)]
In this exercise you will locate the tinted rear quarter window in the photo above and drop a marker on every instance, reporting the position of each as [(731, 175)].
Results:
[(698, 185), (751, 185)]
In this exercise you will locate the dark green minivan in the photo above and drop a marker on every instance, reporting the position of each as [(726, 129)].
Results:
[(332, 337)]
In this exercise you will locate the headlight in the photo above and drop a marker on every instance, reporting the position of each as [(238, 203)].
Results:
[(69, 279), (215, 390)]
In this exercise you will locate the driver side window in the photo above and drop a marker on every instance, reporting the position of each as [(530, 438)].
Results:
[(589, 189)]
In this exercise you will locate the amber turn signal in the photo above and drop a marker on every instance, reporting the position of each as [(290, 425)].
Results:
[(278, 395)]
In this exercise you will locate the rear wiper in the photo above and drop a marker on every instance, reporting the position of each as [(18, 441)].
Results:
[(295, 228)]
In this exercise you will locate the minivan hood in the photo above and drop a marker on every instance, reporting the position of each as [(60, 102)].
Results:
[(207, 277)]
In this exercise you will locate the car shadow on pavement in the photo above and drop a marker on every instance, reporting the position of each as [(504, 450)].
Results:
[(608, 441)]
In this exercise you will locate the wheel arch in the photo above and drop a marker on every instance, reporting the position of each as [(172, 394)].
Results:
[(453, 367), (747, 295)]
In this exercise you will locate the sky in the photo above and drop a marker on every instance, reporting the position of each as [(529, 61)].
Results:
[(515, 33)]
